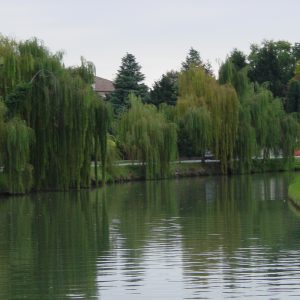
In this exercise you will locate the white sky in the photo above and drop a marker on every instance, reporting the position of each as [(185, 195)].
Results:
[(158, 32)]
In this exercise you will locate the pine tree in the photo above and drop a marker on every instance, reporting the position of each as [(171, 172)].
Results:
[(129, 80), (193, 59)]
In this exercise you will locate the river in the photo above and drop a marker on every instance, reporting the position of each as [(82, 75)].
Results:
[(196, 238)]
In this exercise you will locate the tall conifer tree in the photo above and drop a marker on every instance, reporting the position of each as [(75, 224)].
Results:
[(129, 80)]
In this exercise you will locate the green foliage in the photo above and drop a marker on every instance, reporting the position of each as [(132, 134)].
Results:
[(294, 191), (266, 115), (195, 131), (238, 58), (165, 90), (297, 68), (102, 122), (290, 135), (86, 71), (60, 107), (231, 73), (193, 59), (129, 80), (18, 138), (264, 128), (273, 63), (293, 96), (199, 90), (147, 136), (245, 145)]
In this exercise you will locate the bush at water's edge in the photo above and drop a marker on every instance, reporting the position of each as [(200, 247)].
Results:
[(294, 191)]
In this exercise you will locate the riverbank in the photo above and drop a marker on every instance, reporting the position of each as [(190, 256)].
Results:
[(133, 171), (294, 192), (126, 171)]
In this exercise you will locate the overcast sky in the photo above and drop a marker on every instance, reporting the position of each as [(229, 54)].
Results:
[(158, 32)]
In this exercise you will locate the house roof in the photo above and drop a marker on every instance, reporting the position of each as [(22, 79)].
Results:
[(103, 85)]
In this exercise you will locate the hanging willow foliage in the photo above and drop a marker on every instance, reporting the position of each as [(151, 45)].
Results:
[(290, 135), (245, 145), (264, 128), (266, 114), (196, 126), (146, 135), (102, 120), (198, 90), (67, 118), (228, 74), (18, 138)]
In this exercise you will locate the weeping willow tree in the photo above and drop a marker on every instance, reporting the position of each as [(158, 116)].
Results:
[(147, 136), (245, 145), (218, 117), (59, 105), (264, 127), (18, 138), (266, 114), (103, 115), (15, 141), (195, 130), (229, 73), (290, 136)]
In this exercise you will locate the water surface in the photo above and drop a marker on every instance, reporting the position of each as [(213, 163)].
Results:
[(203, 238)]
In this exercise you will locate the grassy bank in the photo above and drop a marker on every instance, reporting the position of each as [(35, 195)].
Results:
[(134, 172), (294, 191), (126, 171)]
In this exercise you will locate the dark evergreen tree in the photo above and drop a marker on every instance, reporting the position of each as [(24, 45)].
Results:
[(293, 97), (129, 80), (193, 59), (165, 90)]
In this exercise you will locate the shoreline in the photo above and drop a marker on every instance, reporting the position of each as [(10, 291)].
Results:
[(133, 172), (190, 168)]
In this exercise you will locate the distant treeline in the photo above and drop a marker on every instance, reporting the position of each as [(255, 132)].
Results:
[(53, 125)]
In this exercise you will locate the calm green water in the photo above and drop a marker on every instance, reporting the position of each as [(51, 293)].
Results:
[(178, 239)]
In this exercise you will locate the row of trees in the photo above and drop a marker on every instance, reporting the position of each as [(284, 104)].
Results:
[(52, 124), (250, 111), (273, 64)]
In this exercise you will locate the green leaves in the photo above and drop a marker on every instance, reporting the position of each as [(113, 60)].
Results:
[(146, 135), (61, 110), (212, 112), (273, 62), (129, 80)]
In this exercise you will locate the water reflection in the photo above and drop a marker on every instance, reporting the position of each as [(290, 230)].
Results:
[(175, 239), (49, 245)]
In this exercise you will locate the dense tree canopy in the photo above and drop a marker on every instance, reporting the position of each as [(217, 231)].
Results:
[(52, 121), (52, 124), (165, 90), (273, 64), (264, 127), (293, 96)]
